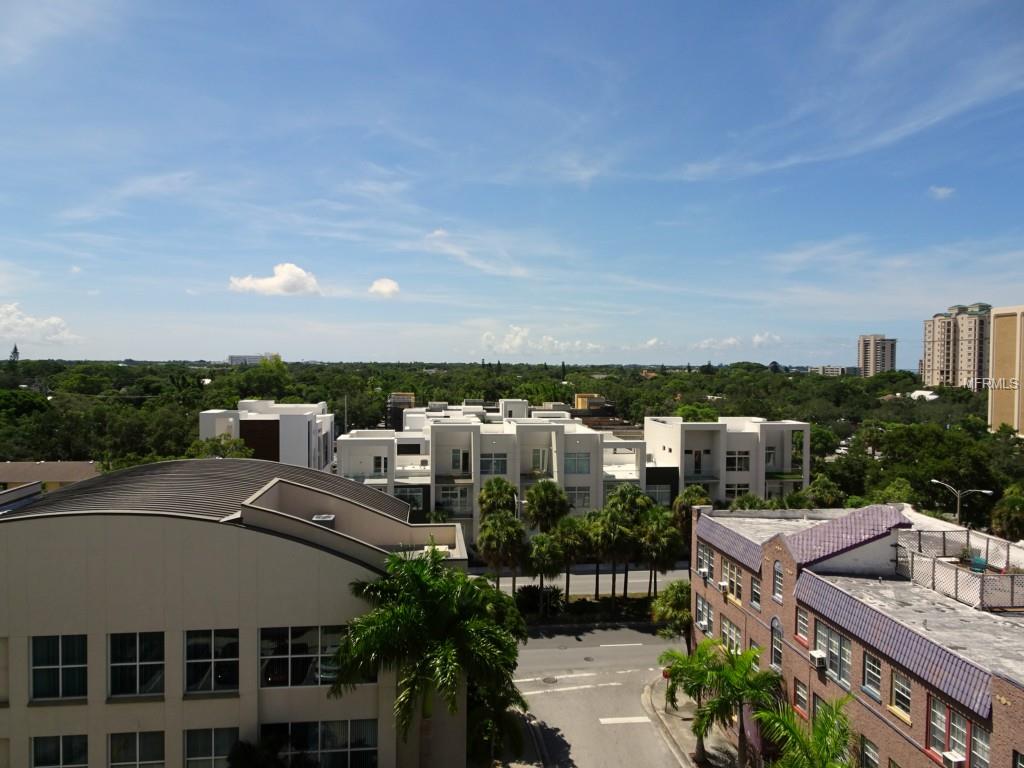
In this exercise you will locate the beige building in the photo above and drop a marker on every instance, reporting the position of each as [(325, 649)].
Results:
[(875, 354), (1006, 371), (156, 615), (956, 346)]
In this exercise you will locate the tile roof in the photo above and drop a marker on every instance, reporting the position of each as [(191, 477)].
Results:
[(730, 542), (959, 679), (834, 536)]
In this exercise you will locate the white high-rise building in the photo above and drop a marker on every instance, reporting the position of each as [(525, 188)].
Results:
[(956, 346), (875, 354)]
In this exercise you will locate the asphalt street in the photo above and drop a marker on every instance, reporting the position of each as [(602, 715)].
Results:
[(585, 690)]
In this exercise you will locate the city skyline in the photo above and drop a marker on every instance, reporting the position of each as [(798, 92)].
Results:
[(529, 184)]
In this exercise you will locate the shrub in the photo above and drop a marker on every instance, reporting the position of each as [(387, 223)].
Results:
[(528, 599)]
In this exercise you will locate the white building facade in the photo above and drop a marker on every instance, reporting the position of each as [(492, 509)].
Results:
[(292, 433), (956, 346)]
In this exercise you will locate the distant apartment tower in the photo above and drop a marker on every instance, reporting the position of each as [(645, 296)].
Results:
[(251, 359), (956, 346), (292, 433), (834, 370), (1005, 379), (875, 354)]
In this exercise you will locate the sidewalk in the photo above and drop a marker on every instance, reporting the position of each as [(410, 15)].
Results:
[(676, 726)]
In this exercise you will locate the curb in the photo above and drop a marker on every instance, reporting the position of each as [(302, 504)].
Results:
[(647, 700), (533, 629)]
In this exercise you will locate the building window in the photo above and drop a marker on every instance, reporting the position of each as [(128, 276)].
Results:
[(211, 660), (868, 754), (937, 726), (455, 500), (493, 463), (837, 652), (950, 731), (755, 591), (577, 463), (732, 573), (901, 692), (579, 496), (801, 623), (800, 695), (59, 667), (705, 560), (776, 643), (737, 461), (350, 743), (732, 638), (733, 490), (380, 465), (957, 732), (209, 747), (705, 616), (872, 682), (815, 705), (539, 460), (135, 750), (979, 747), (777, 581), (411, 495), (296, 656), (757, 659), (1018, 759), (60, 752), (660, 494), (769, 457), (137, 664)]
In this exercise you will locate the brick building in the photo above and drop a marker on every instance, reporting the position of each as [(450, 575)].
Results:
[(874, 604)]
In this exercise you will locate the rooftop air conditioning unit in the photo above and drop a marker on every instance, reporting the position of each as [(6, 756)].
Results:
[(327, 521), (818, 658), (724, 586), (952, 760), (703, 573)]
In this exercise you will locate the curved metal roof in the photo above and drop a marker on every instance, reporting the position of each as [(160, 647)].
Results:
[(205, 487)]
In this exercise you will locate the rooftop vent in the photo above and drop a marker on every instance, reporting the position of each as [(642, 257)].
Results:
[(327, 521)]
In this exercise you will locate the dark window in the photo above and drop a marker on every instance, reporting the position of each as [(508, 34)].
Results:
[(297, 656), (59, 667), (60, 752), (137, 750), (211, 660), (137, 664), (209, 747)]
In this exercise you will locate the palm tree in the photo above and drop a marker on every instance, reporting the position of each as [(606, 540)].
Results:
[(614, 537), (571, 534), (824, 743), (692, 496), (631, 504), (436, 628), (735, 684), (498, 495), (546, 559), (660, 542), (673, 608), (546, 504), (501, 537), (692, 674), (596, 545)]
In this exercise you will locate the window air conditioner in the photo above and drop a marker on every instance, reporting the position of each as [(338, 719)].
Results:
[(724, 586), (702, 572), (702, 626), (818, 659), (952, 760)]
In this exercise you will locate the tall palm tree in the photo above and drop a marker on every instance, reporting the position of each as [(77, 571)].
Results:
[(630, 503), (734, 684), (436, 628), (571, 535), (826, 742), (596, 545), (614, 539), (498, 495), (501, 537), (546, 559), (692, 496), (672, 607), (546, 504), (692, 674), (660, 542)]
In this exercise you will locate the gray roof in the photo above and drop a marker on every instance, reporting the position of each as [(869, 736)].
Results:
[(834, 536), (730, 542), (961, 680), (47, 471), (206, 487)]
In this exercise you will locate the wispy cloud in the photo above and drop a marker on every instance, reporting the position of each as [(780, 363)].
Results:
[(288, 280), (19, 327), (520, 340), (26, 26), (729, 342), (111, 202), (473, 251), (940, 193), (766, 339)]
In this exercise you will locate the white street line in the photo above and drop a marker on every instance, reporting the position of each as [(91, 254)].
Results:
[(620, 645), (560, 677), (570, 688), (623, 720), (626, 671)]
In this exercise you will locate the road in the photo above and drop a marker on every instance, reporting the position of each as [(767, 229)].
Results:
[(583, 583), (585, 690)]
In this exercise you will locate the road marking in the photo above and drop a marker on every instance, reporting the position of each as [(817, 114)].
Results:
[(626, 671), (623, 720), (570, 688), (560, 677), (620, 645)]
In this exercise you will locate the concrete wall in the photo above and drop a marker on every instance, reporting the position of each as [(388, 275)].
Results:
[(876, 558)]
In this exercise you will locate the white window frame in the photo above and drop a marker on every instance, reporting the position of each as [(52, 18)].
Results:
[(732, 573), (800, 696), (706, 613), (493, 463), (539, 460), (871, 680), (868, 754), (456, 499), (776, 643), (737, 461), (980, 747), (138, 664), (214, 759), (735, 490), (138, 762), (213, 661), (706, 559), (732, 637), (60, 666), (320, 660), (769, 457), (901, 692), (778, 581), (380, 465), (838, 652), (755, 591), (803, 623)]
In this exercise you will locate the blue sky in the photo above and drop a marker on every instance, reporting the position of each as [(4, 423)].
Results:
[(655, 182)]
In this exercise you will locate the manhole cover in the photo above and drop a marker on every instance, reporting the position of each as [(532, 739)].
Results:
[(550, 680), (588, 658)]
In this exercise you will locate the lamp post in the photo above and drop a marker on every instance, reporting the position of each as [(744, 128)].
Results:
[(960, 494)]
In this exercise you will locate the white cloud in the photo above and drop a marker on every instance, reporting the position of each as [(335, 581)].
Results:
[(727, 343), (518, 341), (19, 327), (287, 280), (765, 339), (109, 203), (75, 269), (465, 250), (940, 193), (651, 343), (384, 287)]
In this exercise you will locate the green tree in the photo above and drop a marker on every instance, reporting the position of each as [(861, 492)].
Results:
[(497, 495), (692, 673), (546, 504), (597, 544), (660, 542), (500, 540), (825, 742), (682, 507), (696, 412), (628, 504), (896, 491), (546, 560), (220, 447), (748, 501), (672, 608), (571, 534), (823, 493), (1008, 517), (436, 628)]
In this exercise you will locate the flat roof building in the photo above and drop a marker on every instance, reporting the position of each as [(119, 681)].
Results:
[(956, 346), (875, 354), (292, 433), (1005, 380)]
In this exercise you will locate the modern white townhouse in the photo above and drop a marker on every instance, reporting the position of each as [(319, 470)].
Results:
[(292, 433), (157, 615)]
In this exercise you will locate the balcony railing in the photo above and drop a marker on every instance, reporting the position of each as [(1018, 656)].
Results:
[(362, 477)]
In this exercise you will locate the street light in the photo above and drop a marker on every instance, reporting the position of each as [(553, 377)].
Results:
[(960, 494)]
